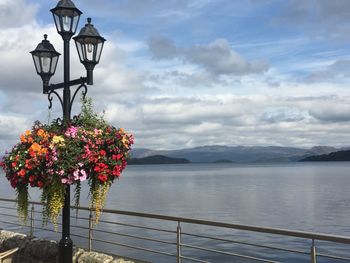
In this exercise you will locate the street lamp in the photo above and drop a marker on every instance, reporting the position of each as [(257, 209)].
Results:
[(45, 59), (89, 44)]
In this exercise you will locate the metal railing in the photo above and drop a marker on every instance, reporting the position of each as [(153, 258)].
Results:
[(186, 239)]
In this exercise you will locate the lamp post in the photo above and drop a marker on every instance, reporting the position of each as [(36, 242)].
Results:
[(89, 45)]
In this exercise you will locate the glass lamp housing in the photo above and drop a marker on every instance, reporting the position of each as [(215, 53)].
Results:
[(45, 59), (66, 17), (89, 45)]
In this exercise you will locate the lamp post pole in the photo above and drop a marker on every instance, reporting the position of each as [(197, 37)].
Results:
[(66, 244), (89, 45)]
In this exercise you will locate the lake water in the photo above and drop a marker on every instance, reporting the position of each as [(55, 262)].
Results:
[(298, 196)]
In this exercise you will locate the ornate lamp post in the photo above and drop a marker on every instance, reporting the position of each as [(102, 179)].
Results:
[(89, 44)]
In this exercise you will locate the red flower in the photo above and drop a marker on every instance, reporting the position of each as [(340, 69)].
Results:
[(28, 165), (117, 156), (40, 184), (117, 171), (22, 173), (14, 182), (103, 152), (102, 177), (14, 164), (31, 178)]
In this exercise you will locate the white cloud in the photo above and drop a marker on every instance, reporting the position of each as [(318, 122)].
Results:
[(217, 57), (16, 13)]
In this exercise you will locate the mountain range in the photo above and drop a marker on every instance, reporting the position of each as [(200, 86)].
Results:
[(333, 156), (239, 154)]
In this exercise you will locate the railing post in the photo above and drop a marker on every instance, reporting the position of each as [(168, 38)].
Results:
[(178, 242), (90, 230), (31, 233), (313, 252)]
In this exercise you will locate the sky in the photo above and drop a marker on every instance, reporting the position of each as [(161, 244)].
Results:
[(185, 73)]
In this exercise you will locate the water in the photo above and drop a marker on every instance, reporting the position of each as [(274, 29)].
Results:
[(298, 196)]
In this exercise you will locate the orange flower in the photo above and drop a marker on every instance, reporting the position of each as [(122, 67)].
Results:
[(35, 147), (28, 132), (41, 133), (23, 139)]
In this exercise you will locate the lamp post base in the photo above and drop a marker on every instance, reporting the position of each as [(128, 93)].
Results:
[(66, 244), (66, 250)]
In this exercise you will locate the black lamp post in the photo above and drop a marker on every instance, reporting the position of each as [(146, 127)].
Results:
[(89, 44)]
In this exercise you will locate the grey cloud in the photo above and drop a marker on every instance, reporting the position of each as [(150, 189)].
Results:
[(162, 47), (331, 114), (217, 58), (322, 19), (15, 13), (336, 71)]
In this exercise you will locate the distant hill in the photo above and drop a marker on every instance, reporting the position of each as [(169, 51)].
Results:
[(223, 161), (237, 154), (331, 157), (157, 159)]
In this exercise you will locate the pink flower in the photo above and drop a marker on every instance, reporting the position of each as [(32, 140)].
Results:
[(68, 181), (83, 176), (71, 132), (76, 175)]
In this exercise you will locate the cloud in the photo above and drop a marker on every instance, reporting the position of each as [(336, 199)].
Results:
[(339, 70), (216, 58), (322, 19), (219, 59), (16, 13), (278, 115), (227, 119), (162, 48), (155, 9)]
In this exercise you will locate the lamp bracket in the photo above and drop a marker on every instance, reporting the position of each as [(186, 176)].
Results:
[(50, 90), (74, 82)]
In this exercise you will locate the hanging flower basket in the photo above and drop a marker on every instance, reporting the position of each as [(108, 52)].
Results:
[(53, 156)]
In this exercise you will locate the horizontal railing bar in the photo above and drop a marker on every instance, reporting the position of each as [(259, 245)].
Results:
[(76, 235), (44, 223), (138, 226), (229, 253), (59, 224), (137, 248), (47, 229), (136, 237), (246, 243), (194, 259), (81, 227), (16, 224), (37, 212), (82, 218), (276, 231), (332, 257), (10, 208), (15, 216)]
